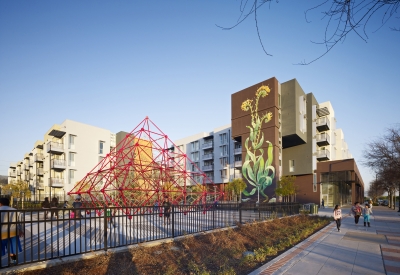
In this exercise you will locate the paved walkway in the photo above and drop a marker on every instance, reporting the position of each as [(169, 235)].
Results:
[(355, 250)]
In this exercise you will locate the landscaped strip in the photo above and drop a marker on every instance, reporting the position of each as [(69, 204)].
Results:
[(237, 250)]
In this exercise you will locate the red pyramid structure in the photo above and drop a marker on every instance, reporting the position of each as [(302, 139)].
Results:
[(144, 168)]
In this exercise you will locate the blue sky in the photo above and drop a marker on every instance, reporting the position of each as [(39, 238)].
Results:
[(111, 63)]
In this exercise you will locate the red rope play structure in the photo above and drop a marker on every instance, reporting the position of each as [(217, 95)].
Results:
[(144, 168)]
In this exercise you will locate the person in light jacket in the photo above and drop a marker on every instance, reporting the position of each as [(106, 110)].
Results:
[(337, 215), (9, 233), (366, 212)]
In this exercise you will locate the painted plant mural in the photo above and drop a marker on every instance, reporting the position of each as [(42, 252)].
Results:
[(258, 171)]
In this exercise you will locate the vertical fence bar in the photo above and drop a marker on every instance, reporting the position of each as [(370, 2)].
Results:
[(173, 220), (105, 227)]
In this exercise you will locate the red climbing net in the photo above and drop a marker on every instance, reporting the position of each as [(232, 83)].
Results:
[(145, 168)]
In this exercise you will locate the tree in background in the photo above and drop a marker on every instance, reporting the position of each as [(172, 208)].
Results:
[(17, 189), (383, 156), (287, 188), (342, 17), (375, 190), (236, 187)]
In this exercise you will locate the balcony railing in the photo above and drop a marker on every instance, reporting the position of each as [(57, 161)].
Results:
[(238, 163), (40, 171), (55, 147), (56, 182), (208, 156), (210, 177), (26, 166), (58, 164), (38, 157), (18, 173), (39, 184), (207, 145), (207, 167), (13, 174), (323, 124), (238, 150), (323, 155), (237, 176), (323, 139)]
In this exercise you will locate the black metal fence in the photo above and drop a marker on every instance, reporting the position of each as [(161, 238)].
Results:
[(54, 233)]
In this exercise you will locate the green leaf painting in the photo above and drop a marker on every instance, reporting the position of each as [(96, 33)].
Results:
[(257, 169)]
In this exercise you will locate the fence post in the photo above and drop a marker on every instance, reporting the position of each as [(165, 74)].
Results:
[(173, 221), (240, 212), (259, 211), (213, 216), (105, 228)]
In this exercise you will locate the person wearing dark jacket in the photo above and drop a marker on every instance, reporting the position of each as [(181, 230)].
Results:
[(46, 205), (54, 206)]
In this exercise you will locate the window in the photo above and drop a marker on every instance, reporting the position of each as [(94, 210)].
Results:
[(71, 142), (223, 161), (101, 147), (71, 177), (194, 166), (195, 156), (238, 158), (195, 145), (224, 150), (314, 182), (223, 174), (223, 138), (71, 159), (291, 165)]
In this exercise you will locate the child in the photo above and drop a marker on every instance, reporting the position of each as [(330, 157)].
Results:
[(366, 212), (337, 215)]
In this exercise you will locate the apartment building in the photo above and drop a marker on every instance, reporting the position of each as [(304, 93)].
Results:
[(215, 153), (67, 152), (305, 143)]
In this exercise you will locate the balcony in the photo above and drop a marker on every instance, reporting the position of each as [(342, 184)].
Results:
[(238, 151), (38, 157), (40, 172), (207, 145), (323, 139), (207, 167), (18, 173), (237, 176), (55, 147), (210, 177), (238, 163), (323, 155), (39, 184), (13, 165), (323, 124), (208, 156), (56, 182), (224, 177), (13, 174), (26, 166), (30, 176), (60, 164)]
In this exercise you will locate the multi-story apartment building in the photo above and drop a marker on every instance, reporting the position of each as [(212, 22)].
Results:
[(67, 152), (214, 153), (306, 143)]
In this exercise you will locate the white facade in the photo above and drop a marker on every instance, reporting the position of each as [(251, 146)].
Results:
[(214, 153), (67, 153)]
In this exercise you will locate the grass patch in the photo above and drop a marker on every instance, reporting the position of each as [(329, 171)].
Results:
[(219, 253)]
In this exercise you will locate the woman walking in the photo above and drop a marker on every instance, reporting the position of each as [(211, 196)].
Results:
[(356, 211), (337, 215), (366, 212)]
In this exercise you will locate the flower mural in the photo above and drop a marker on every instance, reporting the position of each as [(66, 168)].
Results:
[(258, 171)]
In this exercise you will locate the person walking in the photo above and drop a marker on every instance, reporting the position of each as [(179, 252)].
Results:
[(322, 203), (110, 213), (167, 210), (337, 215), (46, 205), (54, 206), (366, 212), (77, 204), (356, 211), (9, 232)]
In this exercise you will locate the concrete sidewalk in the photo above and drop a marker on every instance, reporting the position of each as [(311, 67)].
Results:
[(355, 250)]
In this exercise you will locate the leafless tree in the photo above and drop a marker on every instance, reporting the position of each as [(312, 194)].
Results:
[(344, 17), (375, 190), (383, 156)]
